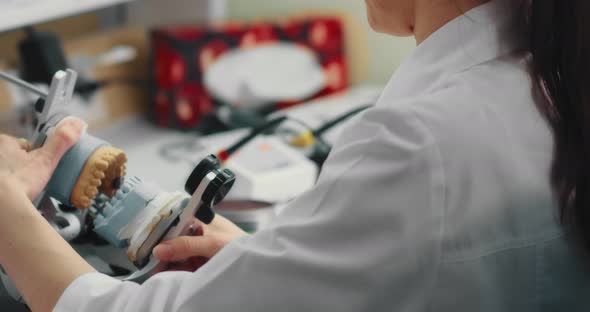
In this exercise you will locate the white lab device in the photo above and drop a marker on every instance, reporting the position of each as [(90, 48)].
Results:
[(267, 169)]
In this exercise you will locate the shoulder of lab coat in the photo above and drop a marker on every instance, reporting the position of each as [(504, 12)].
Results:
[(369, 230)]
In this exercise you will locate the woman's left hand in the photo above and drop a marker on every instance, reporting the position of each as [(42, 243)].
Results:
[(194, 251), (28, 171)]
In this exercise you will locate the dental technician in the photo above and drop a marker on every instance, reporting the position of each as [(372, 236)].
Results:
[(466, 188)]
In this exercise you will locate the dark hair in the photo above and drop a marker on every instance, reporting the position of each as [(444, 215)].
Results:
[(559, 33)]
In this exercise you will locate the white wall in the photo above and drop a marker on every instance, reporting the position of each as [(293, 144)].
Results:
[(168, 12)]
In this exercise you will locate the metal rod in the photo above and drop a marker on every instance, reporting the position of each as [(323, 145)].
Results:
[(23, 84)]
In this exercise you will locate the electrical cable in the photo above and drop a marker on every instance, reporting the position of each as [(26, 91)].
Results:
[(337, 120), (320, 148), (309, 137), (224, 154)]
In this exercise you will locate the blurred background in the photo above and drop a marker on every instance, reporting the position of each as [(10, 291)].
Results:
[(384, 52), (172, 81)]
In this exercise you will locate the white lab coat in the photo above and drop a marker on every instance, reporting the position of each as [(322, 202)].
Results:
[(437, 199)]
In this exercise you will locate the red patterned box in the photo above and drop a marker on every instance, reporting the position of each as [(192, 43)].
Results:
[(182, 54)]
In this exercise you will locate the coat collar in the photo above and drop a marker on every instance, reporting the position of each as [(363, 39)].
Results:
[(484, 33)]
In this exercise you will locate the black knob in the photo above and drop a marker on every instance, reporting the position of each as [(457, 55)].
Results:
[(219, 187), (215, 191), (209, 164), (205, 214), (39, 105)]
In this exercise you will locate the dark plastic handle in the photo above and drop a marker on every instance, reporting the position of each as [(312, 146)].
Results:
[(215, 191), (208, 164)]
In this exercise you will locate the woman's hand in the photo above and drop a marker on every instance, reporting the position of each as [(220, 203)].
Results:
[(194, 251), (30, 249), (23, 170)]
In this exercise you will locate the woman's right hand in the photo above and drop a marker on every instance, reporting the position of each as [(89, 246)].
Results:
[(23, 170), (194, 251)]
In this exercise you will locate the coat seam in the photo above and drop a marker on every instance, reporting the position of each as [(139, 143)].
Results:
[(512, 246), (438, 160)]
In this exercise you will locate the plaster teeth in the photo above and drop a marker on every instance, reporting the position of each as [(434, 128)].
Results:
[(102, 172), (102, 165), (85, 202), (91, 192), (115, 171)]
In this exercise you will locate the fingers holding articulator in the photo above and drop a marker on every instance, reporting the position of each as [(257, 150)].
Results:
[(89, 168)]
